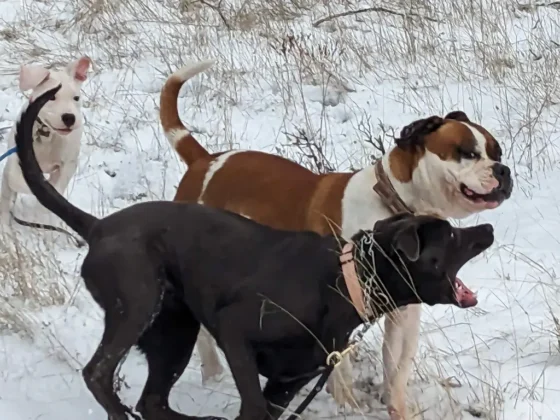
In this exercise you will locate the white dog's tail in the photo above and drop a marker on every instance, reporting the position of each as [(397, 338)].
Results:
[(188, 148), (46, 194)]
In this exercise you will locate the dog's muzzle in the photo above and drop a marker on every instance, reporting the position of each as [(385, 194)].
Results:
[(502, 173)]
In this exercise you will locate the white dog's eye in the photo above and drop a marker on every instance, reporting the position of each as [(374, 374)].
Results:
[(76, 98)]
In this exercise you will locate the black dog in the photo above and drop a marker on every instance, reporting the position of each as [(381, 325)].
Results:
[(277, 302)]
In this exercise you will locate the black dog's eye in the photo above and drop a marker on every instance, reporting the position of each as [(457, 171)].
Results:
[(434, 262), (76, 98)]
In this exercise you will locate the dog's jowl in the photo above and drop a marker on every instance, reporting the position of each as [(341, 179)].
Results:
[(277, 302)]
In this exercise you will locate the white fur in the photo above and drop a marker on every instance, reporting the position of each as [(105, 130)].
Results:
[(57, 154), (214, 167), (434, 189), (192, 69), (176, 134)]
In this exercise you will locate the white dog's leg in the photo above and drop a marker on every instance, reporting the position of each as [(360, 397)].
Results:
[(61, 178), (340, 383), (402, 328), (211, 368), (7, 196)]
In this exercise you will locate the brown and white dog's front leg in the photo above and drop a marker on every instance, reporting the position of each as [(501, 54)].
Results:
[(402, 328), (211, 368), (340, 383)]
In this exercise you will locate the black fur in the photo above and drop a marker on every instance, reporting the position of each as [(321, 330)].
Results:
[(274, 300), (413, 134)]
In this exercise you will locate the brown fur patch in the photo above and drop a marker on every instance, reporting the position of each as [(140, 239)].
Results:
[(270, 190), (450, 137), (188, 148), (402, 163), (324, 214), (493, 149), (445, 142)]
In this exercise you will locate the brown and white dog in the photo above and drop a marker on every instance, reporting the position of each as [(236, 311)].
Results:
[(445, 166)]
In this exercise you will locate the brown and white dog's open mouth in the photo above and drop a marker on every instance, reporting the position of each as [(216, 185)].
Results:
[(464, 297), (490, 200)]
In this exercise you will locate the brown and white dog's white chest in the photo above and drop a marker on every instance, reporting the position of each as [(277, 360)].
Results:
[(361, 206)]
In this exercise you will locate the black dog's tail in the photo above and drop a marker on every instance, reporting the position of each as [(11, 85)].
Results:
[(47, 195)]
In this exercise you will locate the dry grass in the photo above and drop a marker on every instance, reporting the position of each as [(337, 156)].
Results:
[(31, 279)]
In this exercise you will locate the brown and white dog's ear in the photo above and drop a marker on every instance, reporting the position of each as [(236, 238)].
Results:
[(31, 76), (79, 68), (458, 116), (413, 134)]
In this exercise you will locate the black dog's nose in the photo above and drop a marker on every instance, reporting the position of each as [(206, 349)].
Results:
[(68, 119), (488, 227)]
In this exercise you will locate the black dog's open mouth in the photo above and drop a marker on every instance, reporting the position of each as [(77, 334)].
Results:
[(464, 297)]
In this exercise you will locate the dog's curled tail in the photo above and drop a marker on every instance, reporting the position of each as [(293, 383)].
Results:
[(188, 148), (46, 194)]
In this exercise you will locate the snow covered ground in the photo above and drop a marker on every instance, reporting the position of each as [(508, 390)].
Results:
[(280, 75)]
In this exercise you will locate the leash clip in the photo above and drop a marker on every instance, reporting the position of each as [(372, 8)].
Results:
[(335, 358)]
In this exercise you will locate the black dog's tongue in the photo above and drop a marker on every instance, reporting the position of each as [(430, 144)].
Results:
[(465, 296)]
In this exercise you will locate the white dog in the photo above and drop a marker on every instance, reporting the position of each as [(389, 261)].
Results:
[(57, 130)]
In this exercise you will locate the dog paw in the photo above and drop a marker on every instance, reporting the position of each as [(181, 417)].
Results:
[(394, 414), (212, 375)]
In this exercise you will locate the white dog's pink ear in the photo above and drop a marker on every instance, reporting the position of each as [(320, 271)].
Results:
[(31, 76), (79, 68)]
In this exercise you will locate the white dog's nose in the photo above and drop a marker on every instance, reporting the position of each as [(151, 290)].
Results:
[(68, 119)]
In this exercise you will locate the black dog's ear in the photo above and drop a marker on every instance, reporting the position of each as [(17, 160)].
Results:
[(458, 116), (408, 242), (386, 223), (413, 134)]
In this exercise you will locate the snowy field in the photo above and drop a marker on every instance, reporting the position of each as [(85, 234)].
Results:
[(325, 94)]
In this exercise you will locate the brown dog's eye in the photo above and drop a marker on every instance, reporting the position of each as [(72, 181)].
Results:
[(468, 154), (76, 98)]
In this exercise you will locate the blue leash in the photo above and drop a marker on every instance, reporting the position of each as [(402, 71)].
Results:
[(8, 153)]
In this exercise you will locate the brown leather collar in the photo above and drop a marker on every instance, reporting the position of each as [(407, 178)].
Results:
[(352, 283), (384, 188)]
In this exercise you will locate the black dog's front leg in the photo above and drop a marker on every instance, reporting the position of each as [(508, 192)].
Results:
[(241, 359), (280, 394)]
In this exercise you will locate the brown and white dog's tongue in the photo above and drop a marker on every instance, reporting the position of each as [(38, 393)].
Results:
[(465, 296)]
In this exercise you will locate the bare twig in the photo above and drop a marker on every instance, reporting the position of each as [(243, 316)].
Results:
[(377, 9), (218, 9)]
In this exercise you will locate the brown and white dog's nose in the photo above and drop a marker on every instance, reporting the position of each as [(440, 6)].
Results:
[(502, 173), (68, 119)]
